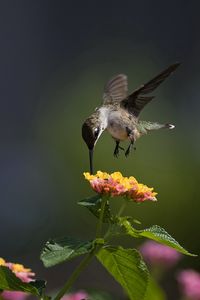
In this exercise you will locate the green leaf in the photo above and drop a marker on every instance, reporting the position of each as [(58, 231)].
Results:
[(155, 233), (128, 268), (91, 201), (154, 292), (127, 228), (10, 282), (121, 220), (121, 225), (40, 285), (59, 250), (94, 206), (159, 235)]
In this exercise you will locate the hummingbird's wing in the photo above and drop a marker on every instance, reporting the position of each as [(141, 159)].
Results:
[(136, 101), (116, 89)]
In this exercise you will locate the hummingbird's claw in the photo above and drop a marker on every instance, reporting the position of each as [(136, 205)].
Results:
[(117, 147), (129, 149), (116, 152)]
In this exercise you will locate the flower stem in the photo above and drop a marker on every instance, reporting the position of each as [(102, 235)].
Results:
[(84, 263), (109, 231), (99, 224), (75, 275), (123, 206)]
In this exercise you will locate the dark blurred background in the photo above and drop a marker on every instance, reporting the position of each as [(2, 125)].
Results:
[(55, 57)]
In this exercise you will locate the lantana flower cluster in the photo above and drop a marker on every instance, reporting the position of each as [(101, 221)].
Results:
[(24, 274), (20, 271), (116, 184)]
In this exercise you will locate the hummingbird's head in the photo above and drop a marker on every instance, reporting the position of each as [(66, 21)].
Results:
[(91, 131)]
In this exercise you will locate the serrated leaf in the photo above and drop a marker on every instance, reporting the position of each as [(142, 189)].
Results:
[(160, 235), (10, 282), (91, 201), (154, 291), (60, 250), (155, 233), (128, 268), (94, 206)]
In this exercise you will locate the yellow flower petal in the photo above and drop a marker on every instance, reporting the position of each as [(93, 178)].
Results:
[(120, 186), (2, 262), (116, 176), (88, 176), (102, 175), (19, 268)]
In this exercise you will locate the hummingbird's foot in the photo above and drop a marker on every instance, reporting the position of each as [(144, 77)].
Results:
[(117, 147), (128, 151)]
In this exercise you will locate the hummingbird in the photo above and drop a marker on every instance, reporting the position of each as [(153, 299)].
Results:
[(119, 113)]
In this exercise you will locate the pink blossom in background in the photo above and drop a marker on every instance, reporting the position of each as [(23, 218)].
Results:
[(159, 255), (80, 295), (189, 282), (9, 295)]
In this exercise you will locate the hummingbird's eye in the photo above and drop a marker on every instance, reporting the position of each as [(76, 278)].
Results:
[(96, 132)]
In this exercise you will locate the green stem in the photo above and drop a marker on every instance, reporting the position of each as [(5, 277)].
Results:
[(123, 206), (109, 231), (100, 222), (84, 263), (75, 275)]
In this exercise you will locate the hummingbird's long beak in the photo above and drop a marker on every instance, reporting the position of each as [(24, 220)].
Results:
[(91, 160)]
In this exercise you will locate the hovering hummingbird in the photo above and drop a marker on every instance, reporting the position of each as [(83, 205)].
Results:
[(119, 113)]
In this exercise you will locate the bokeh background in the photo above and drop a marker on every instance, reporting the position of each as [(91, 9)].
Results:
[(55, 57)]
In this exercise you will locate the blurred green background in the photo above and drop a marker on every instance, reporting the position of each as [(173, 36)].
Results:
[(56, 57)]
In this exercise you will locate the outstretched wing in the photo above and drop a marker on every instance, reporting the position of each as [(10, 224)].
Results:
[(136, 101), (116, 89)]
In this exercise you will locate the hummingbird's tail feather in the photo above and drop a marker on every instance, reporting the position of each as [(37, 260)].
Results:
[(145, 126), (170, 126)]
